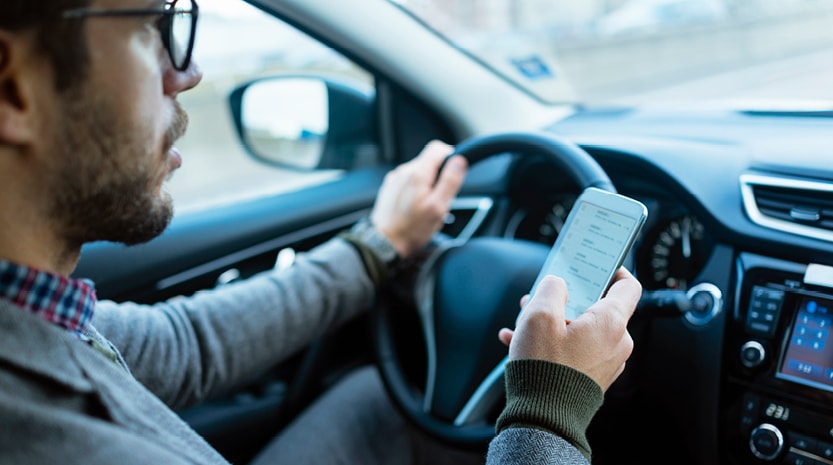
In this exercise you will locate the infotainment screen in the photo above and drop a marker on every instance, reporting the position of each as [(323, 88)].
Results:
[(808, 355)]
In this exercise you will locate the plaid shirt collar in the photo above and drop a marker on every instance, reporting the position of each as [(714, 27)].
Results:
[(69, 303)]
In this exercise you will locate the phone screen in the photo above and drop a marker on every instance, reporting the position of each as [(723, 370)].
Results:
[(589, 250)]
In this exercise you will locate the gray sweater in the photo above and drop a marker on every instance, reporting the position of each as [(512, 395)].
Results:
[(62, 402)]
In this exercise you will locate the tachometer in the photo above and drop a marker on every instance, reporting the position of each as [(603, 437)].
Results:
[(674, 253), (541, 223)]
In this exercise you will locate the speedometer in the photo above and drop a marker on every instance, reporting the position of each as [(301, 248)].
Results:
[(674, 253)]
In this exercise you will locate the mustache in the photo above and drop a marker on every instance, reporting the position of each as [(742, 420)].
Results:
[(178, 126)]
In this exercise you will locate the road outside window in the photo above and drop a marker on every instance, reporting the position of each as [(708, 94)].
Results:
[(237, 43)]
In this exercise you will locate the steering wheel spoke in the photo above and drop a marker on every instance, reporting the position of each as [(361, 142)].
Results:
[(483, 401)]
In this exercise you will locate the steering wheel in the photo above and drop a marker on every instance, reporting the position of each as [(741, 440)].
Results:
[(463, 294)]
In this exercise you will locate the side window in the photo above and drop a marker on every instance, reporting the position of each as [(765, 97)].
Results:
[(288, 118)]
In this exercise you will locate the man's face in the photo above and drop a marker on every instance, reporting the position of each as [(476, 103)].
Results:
[(112, 144)]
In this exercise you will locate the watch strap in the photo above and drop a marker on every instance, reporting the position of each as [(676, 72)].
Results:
[(377, 253)]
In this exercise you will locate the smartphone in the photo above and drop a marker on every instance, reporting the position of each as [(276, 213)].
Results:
[(592, 245)]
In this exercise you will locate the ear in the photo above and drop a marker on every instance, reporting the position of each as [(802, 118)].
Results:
[(16, 119)]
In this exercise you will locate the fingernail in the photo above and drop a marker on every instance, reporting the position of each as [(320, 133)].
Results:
[(458, 163)]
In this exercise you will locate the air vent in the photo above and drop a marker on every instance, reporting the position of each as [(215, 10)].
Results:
[(790, 205), (466, 216)]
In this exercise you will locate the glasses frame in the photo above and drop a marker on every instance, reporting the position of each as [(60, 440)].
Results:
[(164, 24)]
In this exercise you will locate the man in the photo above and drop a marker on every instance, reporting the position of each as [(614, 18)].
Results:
[(88, 118)]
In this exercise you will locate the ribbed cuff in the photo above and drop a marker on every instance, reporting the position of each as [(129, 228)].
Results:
[(552, 397)]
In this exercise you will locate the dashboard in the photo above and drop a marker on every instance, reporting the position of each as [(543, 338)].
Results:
[(740, 205)]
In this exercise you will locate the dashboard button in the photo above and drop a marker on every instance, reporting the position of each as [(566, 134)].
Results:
[(764, 308), (825, 449), (798, 459), (746, 422), (751, 403), (805, 443)]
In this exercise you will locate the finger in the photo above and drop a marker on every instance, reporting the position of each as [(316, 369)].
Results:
[(435, 154), (611, 314), (524, 300), (550, 296), (427, 163), (505, 335), (432, 160), (625, 292), (451, 178)]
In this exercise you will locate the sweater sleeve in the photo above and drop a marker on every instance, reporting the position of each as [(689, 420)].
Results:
[(549, 407), (189, 349)]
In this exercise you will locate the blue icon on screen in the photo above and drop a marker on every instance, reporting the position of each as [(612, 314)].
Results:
[(804, 368), (812, 306)]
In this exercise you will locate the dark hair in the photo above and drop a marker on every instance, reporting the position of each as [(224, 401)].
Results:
[(62, 40)]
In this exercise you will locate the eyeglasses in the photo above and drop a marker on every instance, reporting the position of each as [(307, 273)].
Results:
[(177, 25)]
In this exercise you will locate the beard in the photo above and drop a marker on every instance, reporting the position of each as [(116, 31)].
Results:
[(106, 183)]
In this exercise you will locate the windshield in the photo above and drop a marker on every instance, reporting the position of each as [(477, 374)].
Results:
[(772, 53)]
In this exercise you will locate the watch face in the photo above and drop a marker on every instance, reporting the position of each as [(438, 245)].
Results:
[(383, 246)]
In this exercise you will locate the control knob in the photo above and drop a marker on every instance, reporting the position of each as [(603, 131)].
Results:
[(766, 442), (752, 354)]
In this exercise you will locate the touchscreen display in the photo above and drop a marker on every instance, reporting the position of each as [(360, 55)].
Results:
[(808, 357), (590, 253)]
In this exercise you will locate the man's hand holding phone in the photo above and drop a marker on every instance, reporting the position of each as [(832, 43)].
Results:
[(567, 320), (597, 343)]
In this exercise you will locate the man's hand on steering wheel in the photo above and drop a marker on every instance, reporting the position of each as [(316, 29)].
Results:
[(413, 201)]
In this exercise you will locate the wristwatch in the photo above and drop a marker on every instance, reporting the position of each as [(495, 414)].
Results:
[(367, 234)]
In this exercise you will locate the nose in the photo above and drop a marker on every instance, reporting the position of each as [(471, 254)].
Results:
[(176, 81)]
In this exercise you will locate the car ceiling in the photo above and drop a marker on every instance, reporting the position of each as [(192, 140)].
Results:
[(439, 75)]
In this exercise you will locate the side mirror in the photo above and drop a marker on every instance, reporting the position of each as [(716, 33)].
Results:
[(306, 122)]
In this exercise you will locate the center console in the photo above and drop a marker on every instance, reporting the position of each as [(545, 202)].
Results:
[(779, 364)]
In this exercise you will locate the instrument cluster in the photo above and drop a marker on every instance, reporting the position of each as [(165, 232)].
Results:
[(671, 251)]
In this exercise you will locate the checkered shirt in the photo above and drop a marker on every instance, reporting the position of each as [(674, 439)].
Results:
[(69, 303)]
